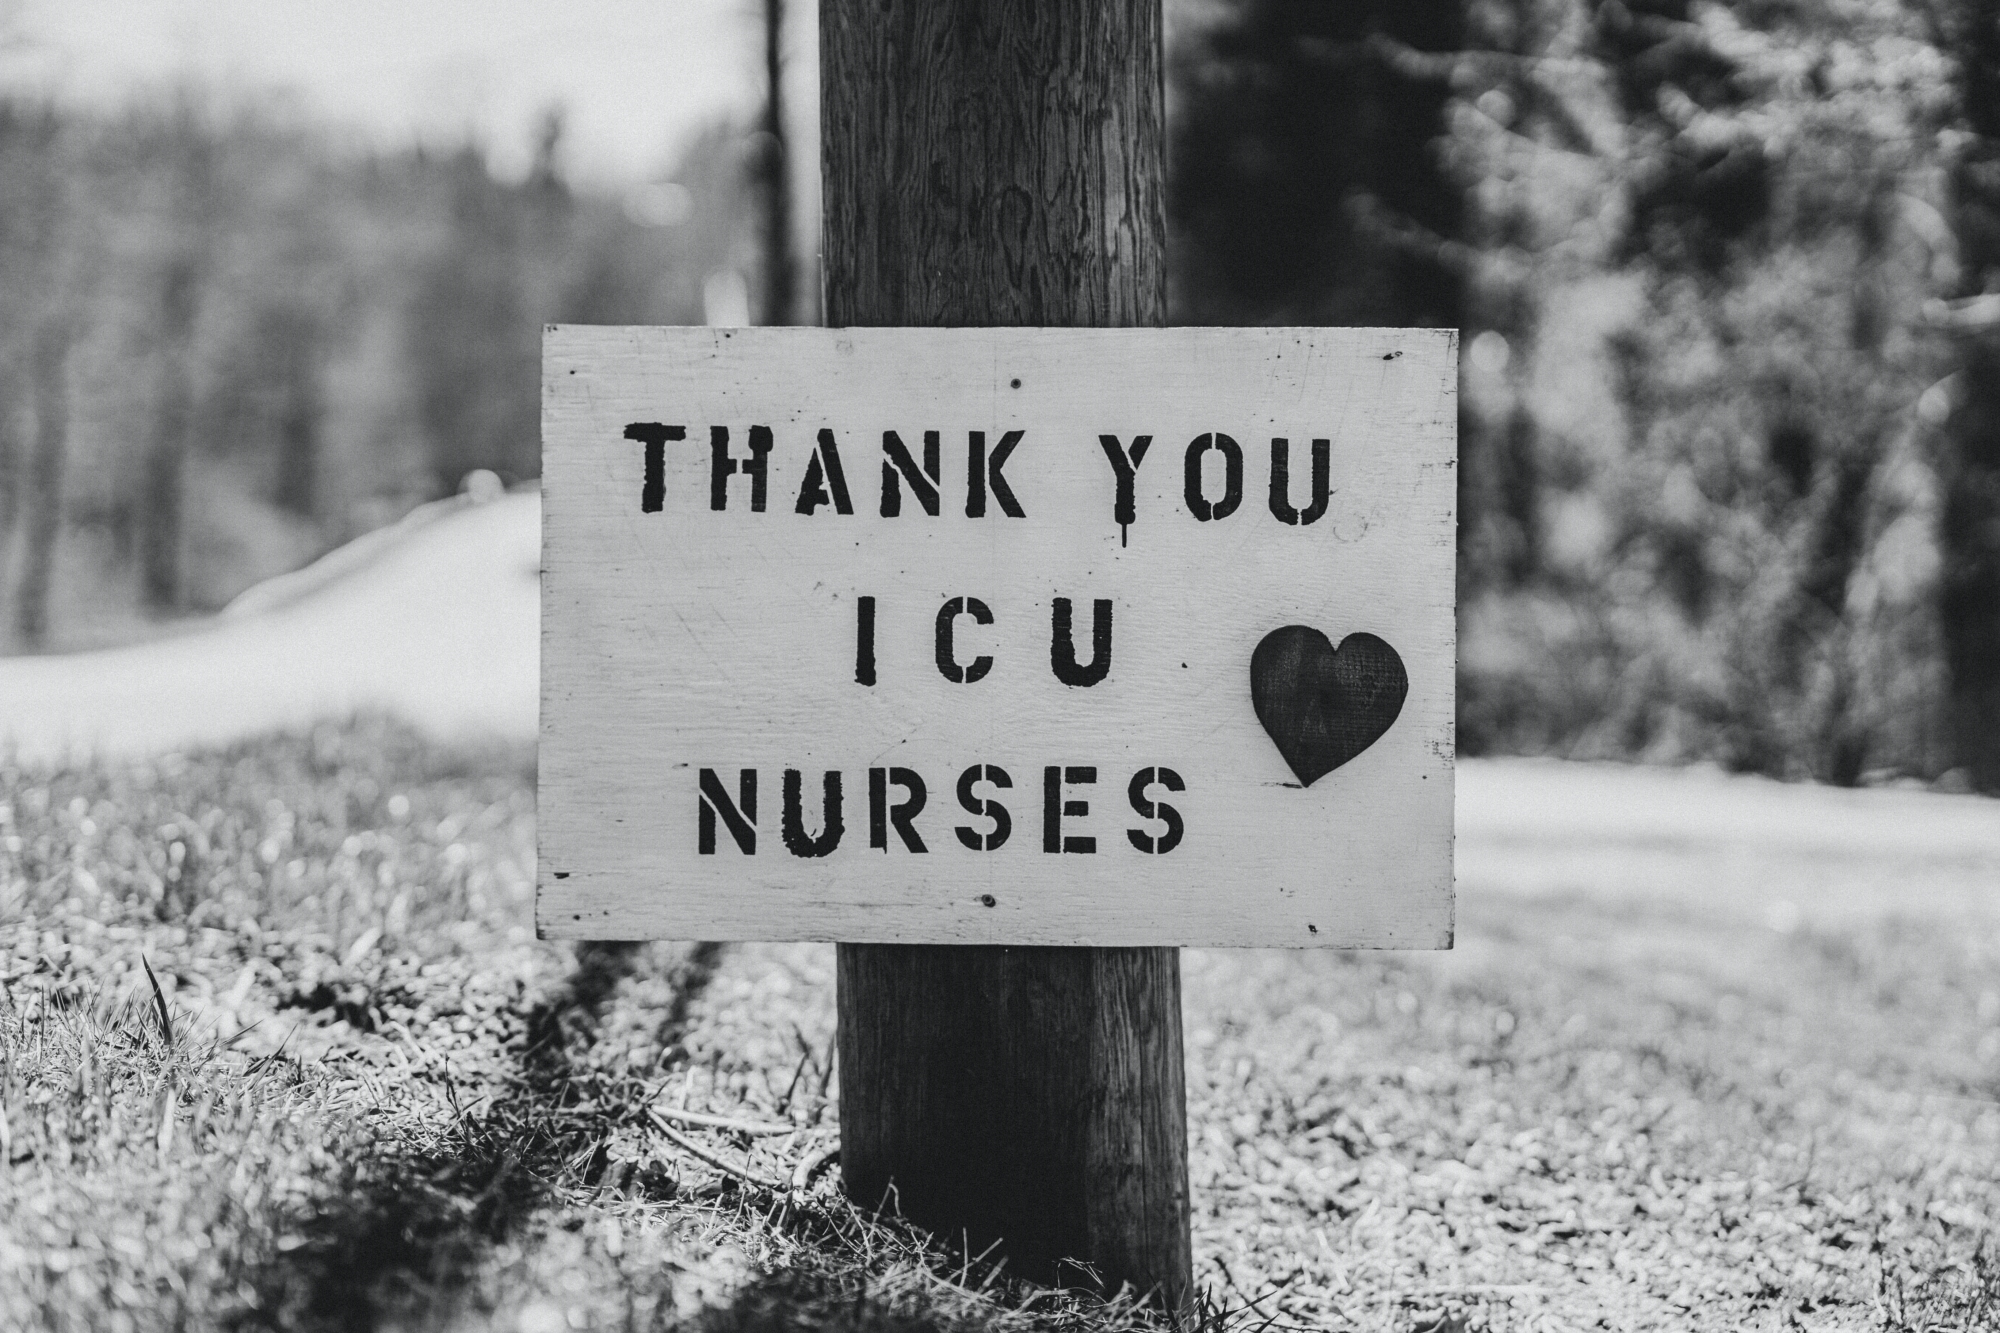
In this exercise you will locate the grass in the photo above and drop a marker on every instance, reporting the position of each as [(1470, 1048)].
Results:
[(1605, 1120), (365, 1097)]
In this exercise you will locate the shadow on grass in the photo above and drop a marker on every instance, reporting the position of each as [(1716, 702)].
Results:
[(899, 1282), (405, 1238), (794, 1302), (406, 1229)]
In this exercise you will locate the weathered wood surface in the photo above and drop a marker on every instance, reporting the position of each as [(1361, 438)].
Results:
[(1031, 1094), (988, 162), (1000, 162), (992, 162), (688, 639)]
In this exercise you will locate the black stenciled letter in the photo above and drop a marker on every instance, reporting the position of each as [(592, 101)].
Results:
[(1003, 823), (983, 473), (1232, 477), (923, 484), (721, 465), (794, 824), (1054, 808), (1062, 644), (740, 815), (864, 640), (824, 474), (947, 661), (1125, 467), (1159, 810), (1281, 482), (881, 814), (654, 435)]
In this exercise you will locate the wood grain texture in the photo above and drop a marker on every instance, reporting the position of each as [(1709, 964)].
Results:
[(1034, 1095), (992, 162), (1001, 162), (686, 639)]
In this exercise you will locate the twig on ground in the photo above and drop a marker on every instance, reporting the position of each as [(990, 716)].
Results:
[(825, 1077), (694, 1149), (810, 1165), (710, 1121), (798, 1072), (163, 1138)]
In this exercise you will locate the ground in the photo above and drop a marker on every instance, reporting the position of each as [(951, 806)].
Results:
[(364, 1096)]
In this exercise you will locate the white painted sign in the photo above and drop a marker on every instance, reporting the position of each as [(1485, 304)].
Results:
[(1031, 636)]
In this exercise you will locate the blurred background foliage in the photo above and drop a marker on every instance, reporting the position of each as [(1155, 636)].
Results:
[(1730, 402), (228, 342), (1728, 278)]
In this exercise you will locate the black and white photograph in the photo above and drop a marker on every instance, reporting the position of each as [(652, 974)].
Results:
[(982, 666)]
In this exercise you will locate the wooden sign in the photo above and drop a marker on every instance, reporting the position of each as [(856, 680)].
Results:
[(1031, 636)]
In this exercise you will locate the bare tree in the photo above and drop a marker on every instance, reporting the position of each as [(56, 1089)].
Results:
[(1970, 529), (49, 378), (780, 272), (163, 498), (299, 410), (189, 209), (31, 200)]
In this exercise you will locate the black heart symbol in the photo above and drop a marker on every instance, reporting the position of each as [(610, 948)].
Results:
[(1321, 705)]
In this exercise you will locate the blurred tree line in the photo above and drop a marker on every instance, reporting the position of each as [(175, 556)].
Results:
[(228, 343), (1728, 278), (1729, 284)]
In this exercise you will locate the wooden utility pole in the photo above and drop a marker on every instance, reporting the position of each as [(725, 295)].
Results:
[(999, 162)]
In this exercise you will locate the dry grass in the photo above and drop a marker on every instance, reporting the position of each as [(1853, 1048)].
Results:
[(363, 1096), (1590, 1117), (372, 1100), (147, 1183)]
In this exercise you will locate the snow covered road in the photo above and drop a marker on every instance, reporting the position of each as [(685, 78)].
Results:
[(438, 621), (435, 621)]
